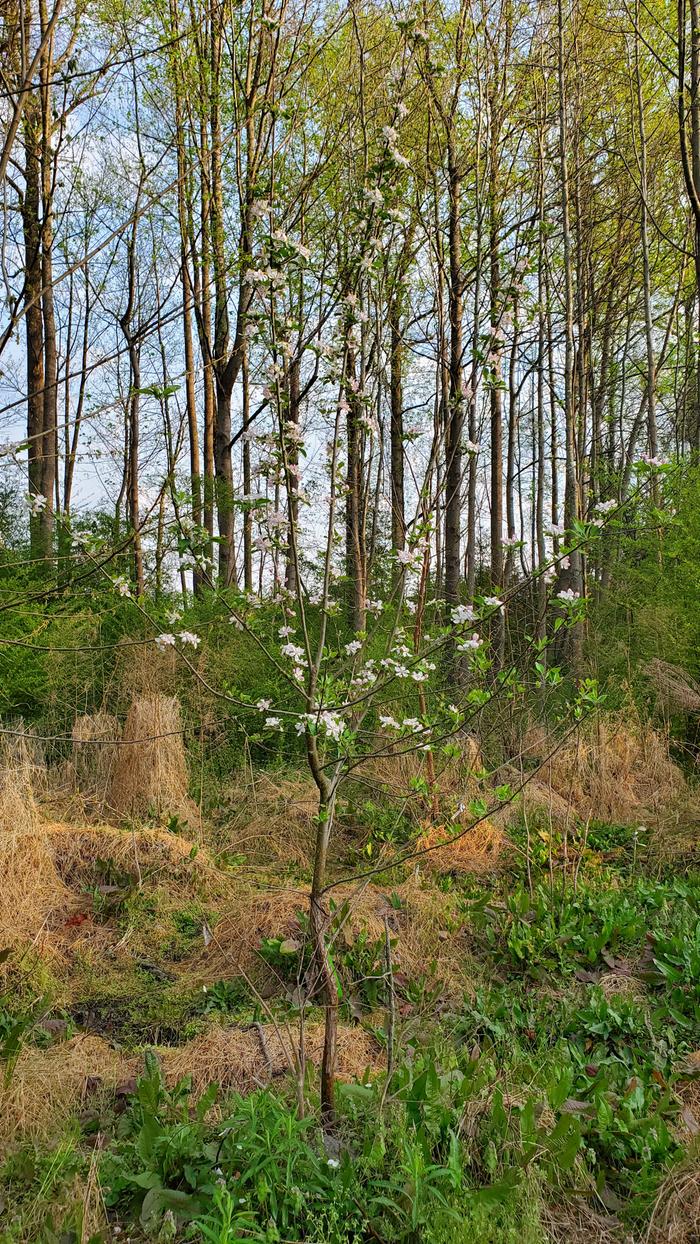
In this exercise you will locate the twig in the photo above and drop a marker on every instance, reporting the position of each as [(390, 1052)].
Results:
[(391, 1015), (263, 1045)]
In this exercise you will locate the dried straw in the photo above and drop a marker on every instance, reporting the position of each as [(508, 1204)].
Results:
[(396, 776), (615, 770), (676, 1215), (31, 893), (150, 771), (47, 1086), (242, 1059), (576, 1222), (94, 759), (22, 773), (676, 688), (272, 818), (430, 937), (478, 851), (46, 872)]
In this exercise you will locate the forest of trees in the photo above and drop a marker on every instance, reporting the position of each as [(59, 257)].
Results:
[(460, 245)]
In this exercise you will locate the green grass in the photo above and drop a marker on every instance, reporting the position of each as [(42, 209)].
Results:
[(541, 1087)]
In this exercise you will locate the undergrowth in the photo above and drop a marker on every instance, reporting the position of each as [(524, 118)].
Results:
[(564, 1076)]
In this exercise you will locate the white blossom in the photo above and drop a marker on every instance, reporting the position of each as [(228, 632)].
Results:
[(294, 652), (121, 583), (188, 637), (292, 430), (277, 519), (462, 613), (468, 644), (332, 724), (36, 503)]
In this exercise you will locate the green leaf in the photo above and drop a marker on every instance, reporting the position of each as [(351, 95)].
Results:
[(183, 1204)]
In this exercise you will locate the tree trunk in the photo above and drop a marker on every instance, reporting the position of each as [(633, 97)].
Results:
[(398, 511), (34, 320), (455, 413)]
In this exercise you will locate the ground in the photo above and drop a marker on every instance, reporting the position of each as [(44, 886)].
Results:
[(534, 990)]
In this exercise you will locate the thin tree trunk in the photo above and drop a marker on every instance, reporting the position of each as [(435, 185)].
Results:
[(455, 413)]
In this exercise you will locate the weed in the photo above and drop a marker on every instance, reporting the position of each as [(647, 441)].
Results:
[(226, 997)]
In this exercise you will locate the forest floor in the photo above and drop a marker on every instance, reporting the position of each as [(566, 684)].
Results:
[(535, 989)]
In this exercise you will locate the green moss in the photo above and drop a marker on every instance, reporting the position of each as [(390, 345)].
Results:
[(137, 1007)]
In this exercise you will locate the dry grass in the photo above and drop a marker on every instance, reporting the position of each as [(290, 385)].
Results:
[(536, 803), (252, 915), (677, 838), (32, 891), (576, 1222), (150, 771), (617, 770), (141, 672), (676, 1215), (152, 854), (94, 755), (396, 775), (47, 1086), (619, 985), (478, 851), (676, 688), (255, 914), (47, 870), (271, 818), (22, 774), (424, 928), (429, 928), (242, 1059)]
